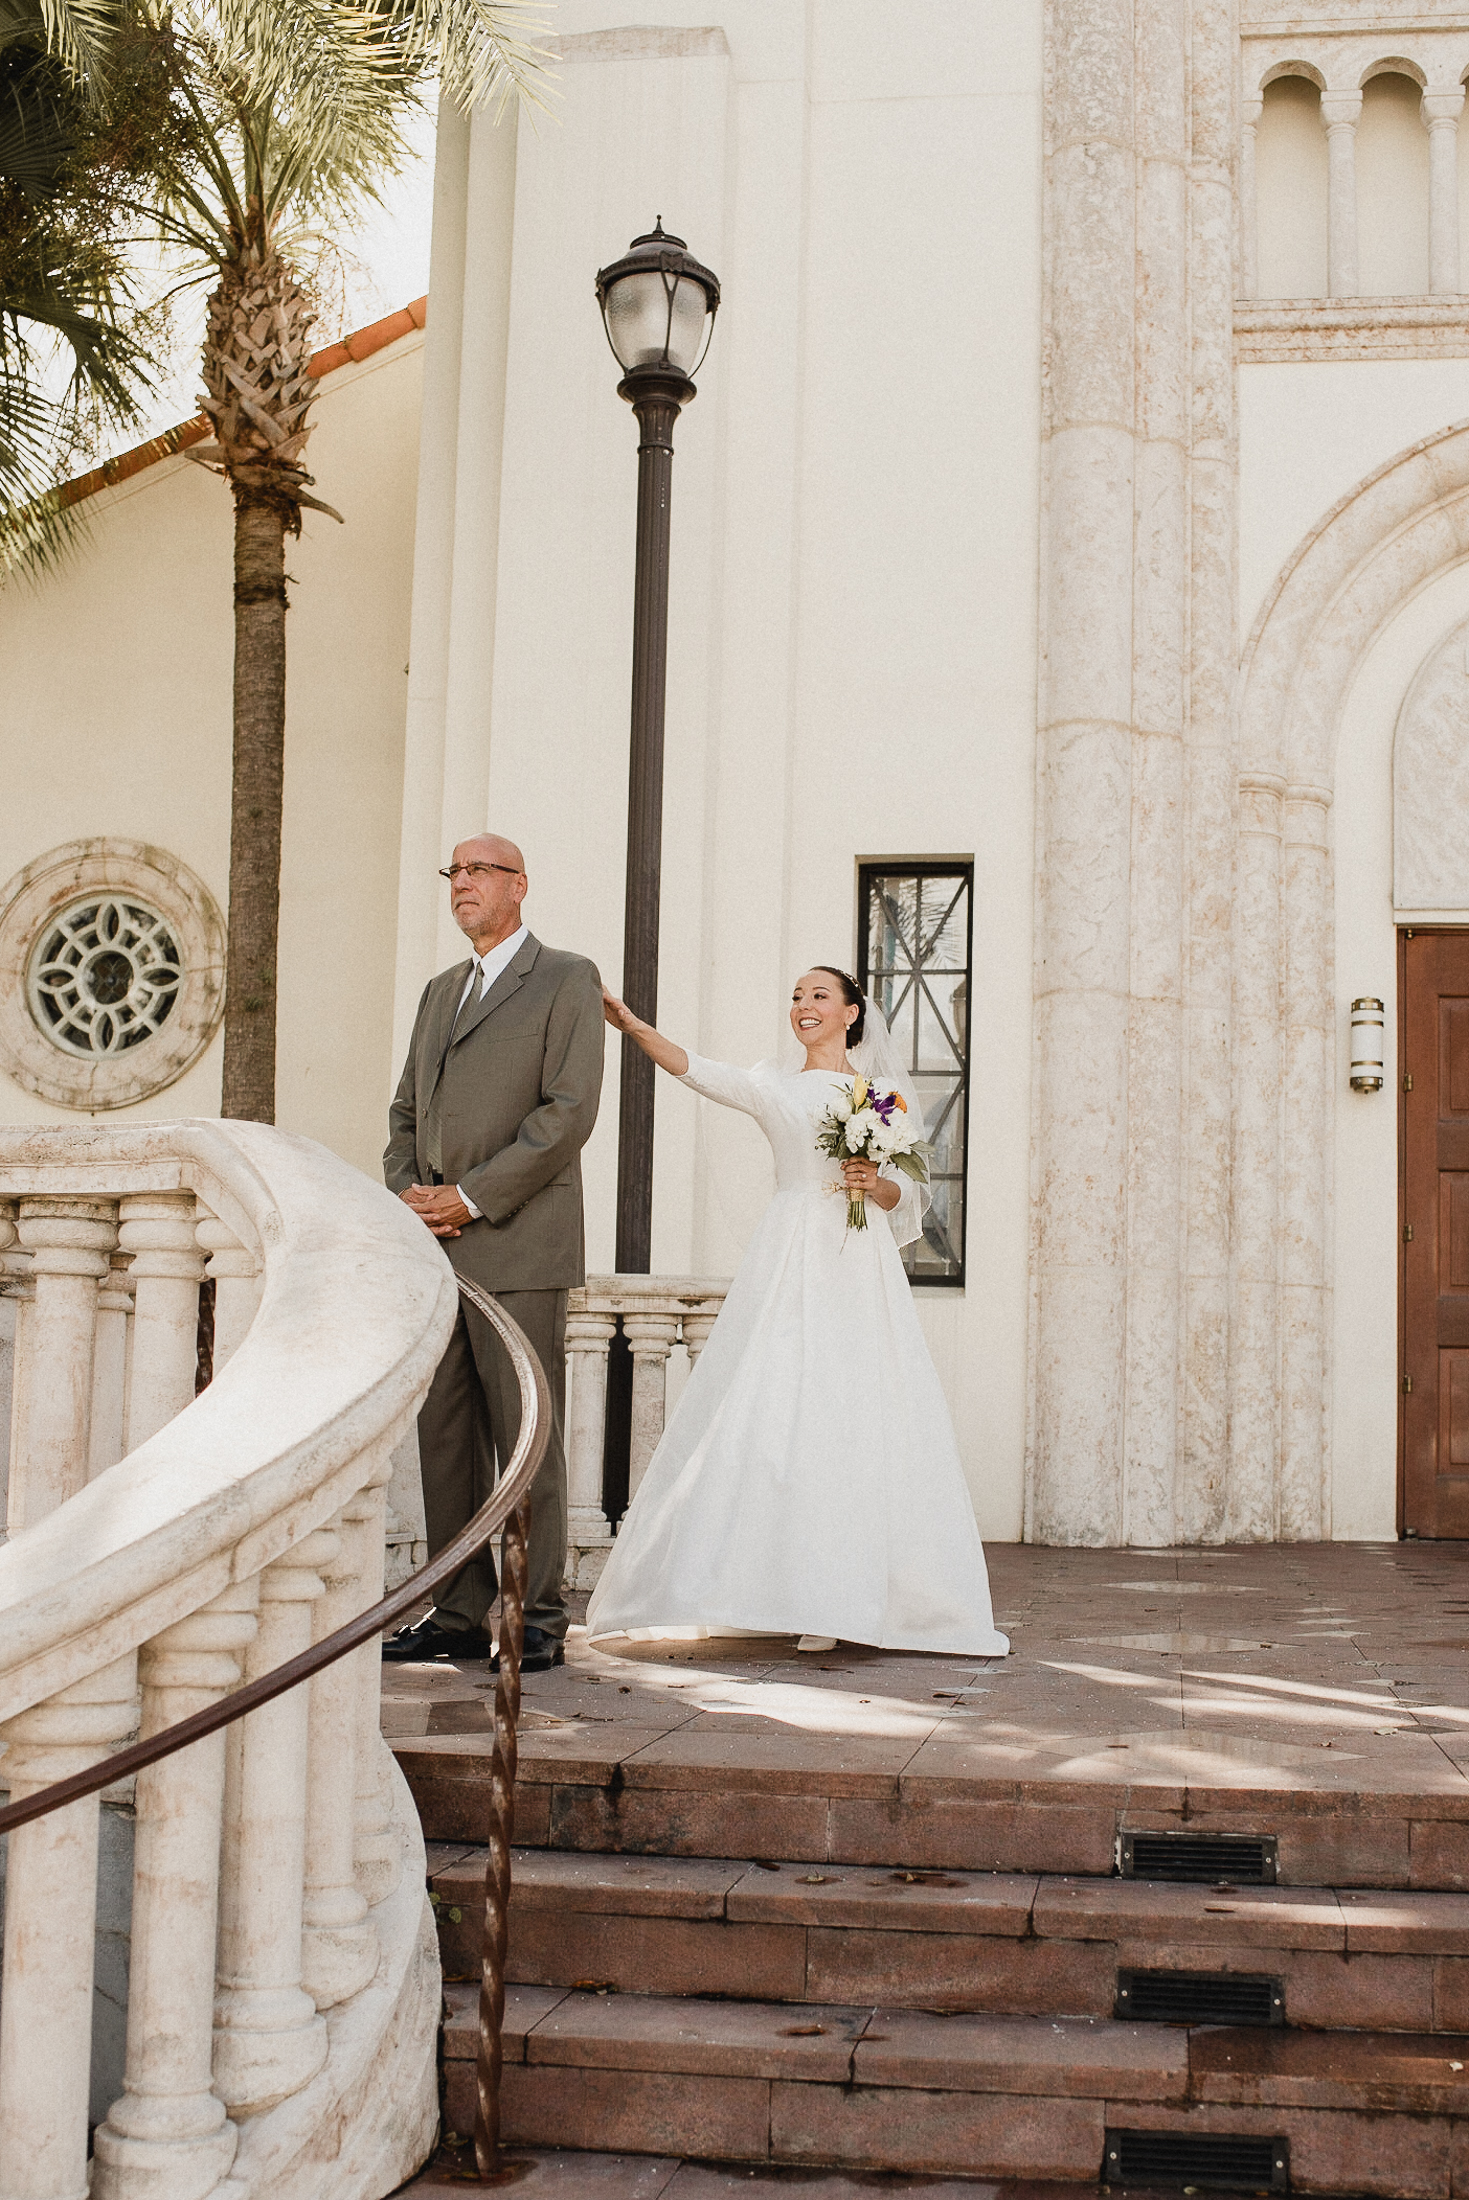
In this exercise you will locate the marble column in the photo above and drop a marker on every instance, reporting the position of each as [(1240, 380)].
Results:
[(1340, 114), (588, 1342), (238, 1282), (339, 1947), (107, 1437), (157, 1228), (269, 2040), (1303, 1507), (1441, 109), (1084, 759), (70, 1242), (50, 1926), (168, 2134), (650, 1337)]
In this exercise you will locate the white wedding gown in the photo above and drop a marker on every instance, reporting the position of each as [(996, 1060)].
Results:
[(808, 1480)]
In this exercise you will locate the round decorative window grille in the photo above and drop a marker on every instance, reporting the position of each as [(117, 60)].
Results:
[(111, 973), (104, 976)]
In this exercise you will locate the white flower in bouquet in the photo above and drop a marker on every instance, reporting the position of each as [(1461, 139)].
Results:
[(866, 1121)]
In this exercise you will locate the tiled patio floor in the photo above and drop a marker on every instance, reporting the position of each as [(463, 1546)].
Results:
[(541, 2174), (1305, 1667)]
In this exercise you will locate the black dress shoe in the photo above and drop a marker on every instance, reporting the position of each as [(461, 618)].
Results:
[(429, 1642), (540, 1652)]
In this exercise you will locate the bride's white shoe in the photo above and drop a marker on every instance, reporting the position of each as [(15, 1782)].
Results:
[(817, 1642)]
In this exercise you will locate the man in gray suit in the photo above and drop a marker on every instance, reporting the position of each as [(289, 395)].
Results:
[(497, 1099)]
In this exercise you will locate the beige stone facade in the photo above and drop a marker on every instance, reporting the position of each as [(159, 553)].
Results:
[(1077, 488)]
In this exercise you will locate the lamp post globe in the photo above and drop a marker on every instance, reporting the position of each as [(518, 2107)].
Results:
[(658, 307)]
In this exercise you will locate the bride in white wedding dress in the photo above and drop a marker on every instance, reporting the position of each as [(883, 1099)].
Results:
[(808, 1481)]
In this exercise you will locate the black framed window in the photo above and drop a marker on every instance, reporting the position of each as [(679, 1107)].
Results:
[(915, 937)]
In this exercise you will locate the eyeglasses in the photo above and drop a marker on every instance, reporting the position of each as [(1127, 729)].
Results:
[(477, 870)]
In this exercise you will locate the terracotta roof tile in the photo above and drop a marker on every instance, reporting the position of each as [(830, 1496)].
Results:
[(350, 351)]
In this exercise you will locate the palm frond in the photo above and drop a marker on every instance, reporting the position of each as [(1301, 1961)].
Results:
[(486, 52), (81, 33)]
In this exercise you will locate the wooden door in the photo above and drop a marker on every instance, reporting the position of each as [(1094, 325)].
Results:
[(1434, 1232)]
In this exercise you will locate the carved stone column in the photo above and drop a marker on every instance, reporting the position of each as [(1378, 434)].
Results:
[(1302, 1511), (339, 1948), (107, 1441), (50, 1926), (696, 1331), (1254, 1279), (1340, 114), (268, 2038), (1441, 110), (377, 1849), (158, 1230), (651, 1337), (238, 1282), (588, 1342), (69, 1241), (168, 2134)]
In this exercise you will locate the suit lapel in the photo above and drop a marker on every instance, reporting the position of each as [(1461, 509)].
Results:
[(509, 983)]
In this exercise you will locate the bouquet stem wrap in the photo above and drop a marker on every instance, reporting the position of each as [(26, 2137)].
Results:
[(856, 1208)]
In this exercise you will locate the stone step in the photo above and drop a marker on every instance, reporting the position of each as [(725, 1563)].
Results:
[(1019, 1944), (596, 1786), (895, 2089)]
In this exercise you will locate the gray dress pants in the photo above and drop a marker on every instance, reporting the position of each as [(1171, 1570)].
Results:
[(471, 1418)]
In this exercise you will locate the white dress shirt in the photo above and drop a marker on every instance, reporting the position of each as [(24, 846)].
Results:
[(487, 969)]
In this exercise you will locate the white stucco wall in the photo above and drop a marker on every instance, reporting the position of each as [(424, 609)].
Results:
[(115, 719), (853, 610)]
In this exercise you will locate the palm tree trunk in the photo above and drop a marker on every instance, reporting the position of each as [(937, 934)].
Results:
[(255, 807)]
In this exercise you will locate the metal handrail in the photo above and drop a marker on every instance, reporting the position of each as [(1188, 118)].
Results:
[(509, 1506)]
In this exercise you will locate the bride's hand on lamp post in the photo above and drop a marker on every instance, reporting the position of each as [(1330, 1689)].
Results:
[(864, 1176), (654, 1045)]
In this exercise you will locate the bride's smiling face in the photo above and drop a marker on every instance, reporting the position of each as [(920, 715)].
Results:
[(820, 1016)]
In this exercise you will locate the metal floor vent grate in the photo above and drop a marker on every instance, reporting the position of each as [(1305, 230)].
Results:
[(1200, 1997), (1222, 2161), (1247, 1860)]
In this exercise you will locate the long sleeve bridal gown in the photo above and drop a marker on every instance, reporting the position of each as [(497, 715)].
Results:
[(808, 1480)]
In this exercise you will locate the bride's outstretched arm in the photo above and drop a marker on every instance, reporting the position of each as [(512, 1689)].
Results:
[(663, 1051)]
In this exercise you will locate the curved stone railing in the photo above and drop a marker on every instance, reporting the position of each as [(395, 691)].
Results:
[(283, 1996)]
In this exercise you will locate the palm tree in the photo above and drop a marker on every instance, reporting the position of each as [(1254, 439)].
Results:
[(286, 116), (79, 121)]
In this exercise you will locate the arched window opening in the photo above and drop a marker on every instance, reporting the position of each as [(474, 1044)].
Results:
[(1290, 183), (1392, 190)]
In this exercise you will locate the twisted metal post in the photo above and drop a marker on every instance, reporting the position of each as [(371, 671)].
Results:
[(491, 2049)]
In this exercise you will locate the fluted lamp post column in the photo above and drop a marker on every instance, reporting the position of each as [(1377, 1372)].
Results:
[(658, 307)]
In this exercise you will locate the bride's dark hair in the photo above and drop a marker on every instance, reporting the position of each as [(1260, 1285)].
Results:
[(854, 997)]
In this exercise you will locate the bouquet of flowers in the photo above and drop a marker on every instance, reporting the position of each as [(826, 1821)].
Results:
[(865, 1123)]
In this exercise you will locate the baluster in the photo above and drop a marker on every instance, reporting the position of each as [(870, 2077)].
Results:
[(50, 1928), (696, 1328), (69, 1241), (107, 1439), (11, 1303), (268, 2038), (238, 1282), (377, 1849), (588, 1342), (339, 1948), (168, 2134), (650, 1338), (158, 1230)]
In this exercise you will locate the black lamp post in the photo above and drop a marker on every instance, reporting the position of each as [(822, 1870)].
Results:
[(658, 307)]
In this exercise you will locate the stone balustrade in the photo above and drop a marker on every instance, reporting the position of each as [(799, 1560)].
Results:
[(655, 1314), (284, 1993)]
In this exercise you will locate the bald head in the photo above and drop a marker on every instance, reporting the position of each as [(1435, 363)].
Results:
[(486, 898)]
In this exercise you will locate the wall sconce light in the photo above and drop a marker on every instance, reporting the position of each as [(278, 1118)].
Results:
[(1368, 1024)]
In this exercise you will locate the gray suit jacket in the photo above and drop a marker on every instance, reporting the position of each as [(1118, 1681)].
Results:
[(517, 1091)]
